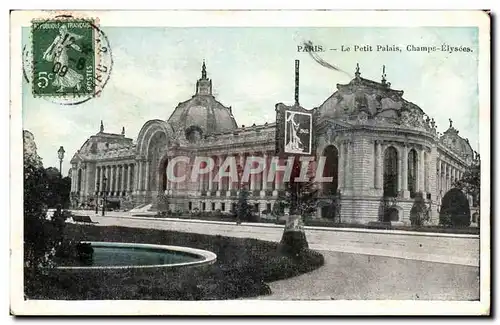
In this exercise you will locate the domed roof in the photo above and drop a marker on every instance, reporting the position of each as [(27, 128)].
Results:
[(456, 143), (372, 100), (202, 112)]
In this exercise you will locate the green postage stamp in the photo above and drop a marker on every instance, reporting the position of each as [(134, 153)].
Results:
[(64, 57)]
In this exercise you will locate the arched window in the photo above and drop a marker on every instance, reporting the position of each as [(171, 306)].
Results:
[(412, 172), (79, 180), (331, 169), (391, 172), (163, 175)]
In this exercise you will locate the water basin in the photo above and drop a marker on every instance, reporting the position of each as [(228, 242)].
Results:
[(113, 255)]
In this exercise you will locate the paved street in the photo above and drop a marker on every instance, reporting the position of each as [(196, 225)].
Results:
[(461, 250), (358, 264), (356, 276)]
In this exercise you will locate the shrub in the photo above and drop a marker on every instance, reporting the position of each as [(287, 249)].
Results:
[(419, 213), (243, 209), (455, 209)]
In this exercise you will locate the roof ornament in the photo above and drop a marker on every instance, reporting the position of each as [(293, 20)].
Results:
[(101, 128), (123, 130), (384, 81), (357, 73), (297, 66), (203, 70), (451, 123)]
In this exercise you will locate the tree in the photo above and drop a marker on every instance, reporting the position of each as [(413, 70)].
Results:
[(301, 197), (41, 236), (243, 209), (455, 209), (470, 183), (59, 188)]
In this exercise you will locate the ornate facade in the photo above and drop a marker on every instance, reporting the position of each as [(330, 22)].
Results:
[(379, 148)]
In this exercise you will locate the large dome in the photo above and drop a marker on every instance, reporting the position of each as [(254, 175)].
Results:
[(202, 112)]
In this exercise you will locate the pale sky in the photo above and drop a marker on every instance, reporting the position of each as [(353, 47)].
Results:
[(252, 69)]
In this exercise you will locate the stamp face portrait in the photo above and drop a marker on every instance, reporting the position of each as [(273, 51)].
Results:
[(64, 57)]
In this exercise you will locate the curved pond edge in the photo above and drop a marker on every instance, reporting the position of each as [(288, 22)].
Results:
[(208, 257)]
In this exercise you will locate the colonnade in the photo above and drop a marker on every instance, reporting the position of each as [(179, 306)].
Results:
[(207, 185), (447, 174), (115, 179)]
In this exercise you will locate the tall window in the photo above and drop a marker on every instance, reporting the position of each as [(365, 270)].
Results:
[(331, 169), (391, 172), (79, 180), (412, 172)]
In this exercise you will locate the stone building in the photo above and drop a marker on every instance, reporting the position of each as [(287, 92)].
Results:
[(380, 150)]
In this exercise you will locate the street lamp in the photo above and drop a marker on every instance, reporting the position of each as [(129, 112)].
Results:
[(60, 155), (104, 179)]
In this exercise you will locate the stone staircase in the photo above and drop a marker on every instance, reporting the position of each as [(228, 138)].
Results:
[(141, 208)]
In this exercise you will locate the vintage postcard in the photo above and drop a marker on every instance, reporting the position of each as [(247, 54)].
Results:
[(250, 163)]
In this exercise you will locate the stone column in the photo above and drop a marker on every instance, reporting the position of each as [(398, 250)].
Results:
[(453, 175), (341, 174), (210, 184), (122, 187), (231, 181), (263, 187), (129, 175), (218, 181), (421, 171), (141, 175), (401, 162), (101, 178), (136, 176), (201, 188), (348, 163), (276, 181), (111, 179), (146, 187), (104, 174), (443, 177), (230, 187), (115, 178), (96, 179), (252, 179), (438, 174), (446, 177), (84, 180), (169, 186), (406, 193), (376, 168)]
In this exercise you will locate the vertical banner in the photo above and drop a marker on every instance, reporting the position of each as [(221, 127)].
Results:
[(294, 131)]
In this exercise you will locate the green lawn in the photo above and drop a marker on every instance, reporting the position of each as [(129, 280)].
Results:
[(243, 268)]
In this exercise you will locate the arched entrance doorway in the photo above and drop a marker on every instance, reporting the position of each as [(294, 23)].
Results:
[(331, 169), (455, 210), (162, 175), (156, 151)]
